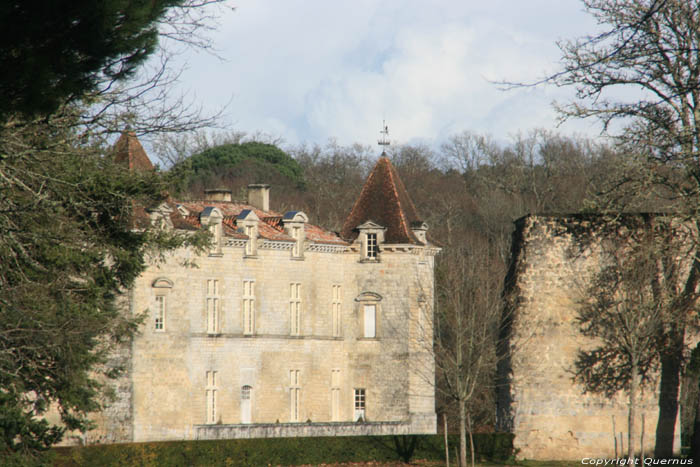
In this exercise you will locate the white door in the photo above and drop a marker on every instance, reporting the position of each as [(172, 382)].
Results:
[(245, 403)]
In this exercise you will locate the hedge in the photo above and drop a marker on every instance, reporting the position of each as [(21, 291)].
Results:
[(281, 451)]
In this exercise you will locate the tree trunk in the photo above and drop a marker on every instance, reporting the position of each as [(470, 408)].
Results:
[(631, 428), (471, 437), (462, 434), (668, 399), (447, 446), (695, 440)]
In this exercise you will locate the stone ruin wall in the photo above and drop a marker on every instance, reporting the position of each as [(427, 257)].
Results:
[(537, 399)]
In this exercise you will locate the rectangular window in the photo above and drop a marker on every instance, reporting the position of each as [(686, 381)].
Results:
[(336, 311), (359, 404), (335, 395), (211, 396), (216, 241), (296, 234), (249, 307), (295, 308), (372, 249), (370, 312), (294, 394), (212, 306), (250, 244), (159, 324)]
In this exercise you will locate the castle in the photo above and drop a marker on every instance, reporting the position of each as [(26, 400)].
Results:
[(550, 415), (283, 328)]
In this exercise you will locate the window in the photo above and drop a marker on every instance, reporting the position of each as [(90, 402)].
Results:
[(212, 306), (245, 404), (370, 312), (211, 396), (216, 245), (212, 218), (296, 234), (372, 249), (294, 394), (335, 311), (335, 395), (295, 308), (159, 323), (294, 222), (250, 244), (359, 404), (248, 307)]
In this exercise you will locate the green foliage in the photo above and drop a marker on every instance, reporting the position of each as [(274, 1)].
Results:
[(20, 434), (257, 162), (67, 250), (58, 50), (279, 451)]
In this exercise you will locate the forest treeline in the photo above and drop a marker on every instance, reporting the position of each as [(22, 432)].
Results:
[(473, 185)]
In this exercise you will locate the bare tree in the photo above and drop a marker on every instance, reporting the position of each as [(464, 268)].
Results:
[(628, 308), (467, 315), (649, 49)]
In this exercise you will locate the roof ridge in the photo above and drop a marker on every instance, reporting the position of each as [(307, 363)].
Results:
[(402, 214)]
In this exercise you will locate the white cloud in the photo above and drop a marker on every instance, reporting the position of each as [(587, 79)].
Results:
[(312, 70)]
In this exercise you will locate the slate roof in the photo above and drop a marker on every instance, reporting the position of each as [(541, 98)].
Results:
[(384, 201), (128, 151)]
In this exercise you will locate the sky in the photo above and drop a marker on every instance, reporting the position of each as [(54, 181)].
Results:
[(314, 70)]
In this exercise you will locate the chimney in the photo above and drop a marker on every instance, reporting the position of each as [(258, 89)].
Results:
[(218, 194), (259, 196)]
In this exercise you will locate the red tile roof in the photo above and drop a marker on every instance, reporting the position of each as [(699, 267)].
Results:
[(128, 151), (385, 201), (270, 226)]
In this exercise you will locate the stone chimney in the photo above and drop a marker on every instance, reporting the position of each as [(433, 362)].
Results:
[(218, 194), (259, 196)]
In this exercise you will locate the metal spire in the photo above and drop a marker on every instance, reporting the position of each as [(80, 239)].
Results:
[(384, 141)]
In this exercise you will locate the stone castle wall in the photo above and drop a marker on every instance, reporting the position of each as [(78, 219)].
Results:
[(163, 396), (537, 399)]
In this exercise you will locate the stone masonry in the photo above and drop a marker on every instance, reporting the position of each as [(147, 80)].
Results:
[(537, 399), (283, 328)]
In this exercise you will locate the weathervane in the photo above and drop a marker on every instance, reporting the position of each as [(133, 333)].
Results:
[(385, 136)]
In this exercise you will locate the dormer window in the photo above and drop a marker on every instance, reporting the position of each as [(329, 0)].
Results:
[(212, 219), (296, 235), (247, 220), (371, 246), (249, 246), (294, 222), (160, 216), (419, 228), (371, 236)]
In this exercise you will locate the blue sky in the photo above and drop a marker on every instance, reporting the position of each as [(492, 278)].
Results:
[(312, 70)]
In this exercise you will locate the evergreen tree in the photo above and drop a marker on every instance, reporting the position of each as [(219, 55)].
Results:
[(57, 50)]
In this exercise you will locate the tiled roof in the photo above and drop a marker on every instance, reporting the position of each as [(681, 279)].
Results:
[(270, 226), (385, 201), (318, 235), (128, 151)]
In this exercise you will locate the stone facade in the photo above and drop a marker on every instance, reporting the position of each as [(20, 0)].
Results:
[(284, 328), (537, 399)]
